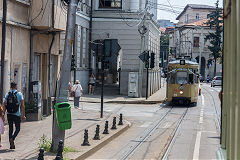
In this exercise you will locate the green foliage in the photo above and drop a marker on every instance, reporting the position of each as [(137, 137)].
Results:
[(164, 40), (215, 38), (45, 143), (215, 21), (67, 149)]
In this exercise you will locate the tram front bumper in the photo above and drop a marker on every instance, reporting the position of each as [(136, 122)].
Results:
[(181, 100)]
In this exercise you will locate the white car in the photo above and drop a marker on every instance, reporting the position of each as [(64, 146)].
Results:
[(217, 81)]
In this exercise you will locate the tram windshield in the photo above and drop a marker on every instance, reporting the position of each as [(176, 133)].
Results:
[(181, 78)]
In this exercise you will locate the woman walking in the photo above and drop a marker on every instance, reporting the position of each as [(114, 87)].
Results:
[(91, 84), (77, 90)]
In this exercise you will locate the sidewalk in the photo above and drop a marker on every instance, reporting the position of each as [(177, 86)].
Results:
[(27, 141), (157, 97)]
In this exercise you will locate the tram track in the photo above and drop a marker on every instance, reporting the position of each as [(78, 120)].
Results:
[(146, 136), (171, 142), (217, 114), (150, 132)]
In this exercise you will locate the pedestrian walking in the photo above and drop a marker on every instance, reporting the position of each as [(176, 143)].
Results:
[(1, 124), (91, 84), (14, 105), (77, 93)]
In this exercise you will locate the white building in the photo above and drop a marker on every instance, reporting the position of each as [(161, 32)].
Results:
[(187, 38), (118, 21)]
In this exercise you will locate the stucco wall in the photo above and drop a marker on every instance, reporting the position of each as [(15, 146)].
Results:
[(41, 14), (17, 12), (192, 15), (130, 42), (16, 56)]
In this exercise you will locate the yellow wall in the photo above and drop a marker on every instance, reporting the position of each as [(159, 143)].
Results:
[(230, 140)]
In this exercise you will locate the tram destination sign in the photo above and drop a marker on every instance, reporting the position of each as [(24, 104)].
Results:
[(182, 62)]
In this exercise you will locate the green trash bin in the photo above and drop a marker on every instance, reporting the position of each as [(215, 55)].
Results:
[(63, 111)]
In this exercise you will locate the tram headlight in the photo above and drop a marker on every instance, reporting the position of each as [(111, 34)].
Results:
[(181, 92)]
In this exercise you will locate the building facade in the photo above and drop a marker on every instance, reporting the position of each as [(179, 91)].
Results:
[(188, 38), (81, 49), (118, 23), (33, 47)]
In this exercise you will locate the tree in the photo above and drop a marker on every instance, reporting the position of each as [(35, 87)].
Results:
[(215, 38)]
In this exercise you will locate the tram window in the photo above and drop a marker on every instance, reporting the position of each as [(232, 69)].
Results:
[(181, 78), (173, 78), (190, 78), (195, 79)]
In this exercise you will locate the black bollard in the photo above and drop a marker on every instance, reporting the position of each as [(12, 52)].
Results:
[(114, 123), (97, 137), (85, 141), (120, 120), (106, 128), (40, 155), (59, 151), (58, 158)]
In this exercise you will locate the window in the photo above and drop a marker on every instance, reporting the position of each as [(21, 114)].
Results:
[(190, 78), (172, 81), (195, 78), (197, 15), (196, 42), (110, 4), (181, 77), (208, 16), (186, 18)]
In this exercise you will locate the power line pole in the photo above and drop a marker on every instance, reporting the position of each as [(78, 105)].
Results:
[(142, 30), (3, 47), (65, 72)]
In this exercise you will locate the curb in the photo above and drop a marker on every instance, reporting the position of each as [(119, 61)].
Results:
[(136, 102), (104, 142), (129, 102)]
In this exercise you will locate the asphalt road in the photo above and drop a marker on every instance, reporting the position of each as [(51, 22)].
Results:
[(162, 132)]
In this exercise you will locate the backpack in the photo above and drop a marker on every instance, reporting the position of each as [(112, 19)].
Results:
[(12, 103)]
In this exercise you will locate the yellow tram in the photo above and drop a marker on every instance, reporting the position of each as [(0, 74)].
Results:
[(182, 82)]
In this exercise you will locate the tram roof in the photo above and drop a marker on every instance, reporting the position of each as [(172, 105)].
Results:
[(186, 62)]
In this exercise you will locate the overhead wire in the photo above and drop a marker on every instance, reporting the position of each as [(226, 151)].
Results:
[(41, 10), (44, 9), (171, 6)]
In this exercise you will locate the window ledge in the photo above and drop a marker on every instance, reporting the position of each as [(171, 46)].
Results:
[(25, 2), (109, 9)]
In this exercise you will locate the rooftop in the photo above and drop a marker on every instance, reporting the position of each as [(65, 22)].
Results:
[(195, 6)]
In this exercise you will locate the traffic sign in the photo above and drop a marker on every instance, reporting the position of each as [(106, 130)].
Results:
[(142, 57)]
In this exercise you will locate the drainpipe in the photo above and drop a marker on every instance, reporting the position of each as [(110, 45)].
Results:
[(49, 62), (90, 39)]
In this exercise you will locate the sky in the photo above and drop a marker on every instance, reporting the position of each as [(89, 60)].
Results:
[(178, 6)]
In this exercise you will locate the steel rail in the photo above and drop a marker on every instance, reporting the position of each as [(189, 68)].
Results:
[(175, 134), (147, 135), (217, 115)]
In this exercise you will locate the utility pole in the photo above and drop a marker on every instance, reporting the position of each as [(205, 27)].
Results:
[(102, 68), (142, 30), (3, 47), (200, 50), (65, 73)]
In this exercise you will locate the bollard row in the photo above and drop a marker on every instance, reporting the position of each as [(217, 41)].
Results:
[(59, 155), (97, 136)]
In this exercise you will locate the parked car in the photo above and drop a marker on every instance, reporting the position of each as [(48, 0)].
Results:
[(217, 81)]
